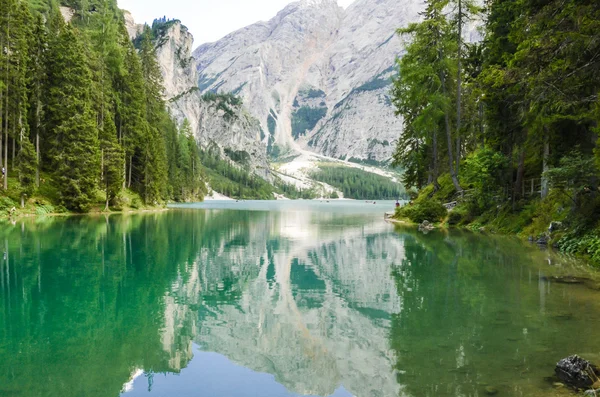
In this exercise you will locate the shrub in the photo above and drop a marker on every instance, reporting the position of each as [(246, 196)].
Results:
[(430, 210), (459, 216), (6, 204)]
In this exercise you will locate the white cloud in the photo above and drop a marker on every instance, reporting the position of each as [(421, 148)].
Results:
[(208, 20)]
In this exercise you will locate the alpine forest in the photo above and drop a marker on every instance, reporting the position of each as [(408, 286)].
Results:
[(83, 120), (503, 128)]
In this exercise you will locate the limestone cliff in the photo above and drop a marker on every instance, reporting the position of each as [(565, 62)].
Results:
[(218, 122), (317, 76)]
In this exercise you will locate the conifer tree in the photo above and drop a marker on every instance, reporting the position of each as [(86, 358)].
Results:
[(38, 46), (27, 165), (112, 159), (72, 129), (422, 96), (153, 152)]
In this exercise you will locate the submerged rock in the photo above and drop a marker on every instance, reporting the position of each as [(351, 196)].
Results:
[(568, 279), (491, 391), (426, 226), (577, 372)]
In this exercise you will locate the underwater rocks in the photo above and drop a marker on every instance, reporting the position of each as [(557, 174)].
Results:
[(426, 227), (577, 372)]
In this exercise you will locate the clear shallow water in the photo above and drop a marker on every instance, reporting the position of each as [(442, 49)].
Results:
[(281, 299)]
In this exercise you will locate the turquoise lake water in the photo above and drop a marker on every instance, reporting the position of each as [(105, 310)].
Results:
[(297, 298)]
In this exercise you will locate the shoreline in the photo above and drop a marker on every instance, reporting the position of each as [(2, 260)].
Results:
[(484, 232), (20, 215)]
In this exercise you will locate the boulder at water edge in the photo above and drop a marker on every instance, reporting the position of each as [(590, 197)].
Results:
[(577, 372)]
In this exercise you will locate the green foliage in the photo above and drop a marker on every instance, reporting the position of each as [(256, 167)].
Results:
[(587, 244), (459, 216), (422, 96), (241, 157), (358, 184), (232, 180), (6, 204), (574, 175), (292, 192), (73, 151), (27, 163), (83, 101), (225, 102), (305, 119), (513, 107), (427, 210), (484, 171)]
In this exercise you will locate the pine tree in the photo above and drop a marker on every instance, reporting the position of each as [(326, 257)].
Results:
[(422, 96), (112, 160), (153, 154), (27, 165), (38, 47), (71, 123)]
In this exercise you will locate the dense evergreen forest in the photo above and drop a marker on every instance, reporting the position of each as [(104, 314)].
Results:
[(507, 126), (358, 184), (83, 120)]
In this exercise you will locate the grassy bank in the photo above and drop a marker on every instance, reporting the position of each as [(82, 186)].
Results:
[(571, 227), (45, 200)]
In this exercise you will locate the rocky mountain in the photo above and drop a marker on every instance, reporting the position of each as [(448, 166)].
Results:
[(313, 79), (219, 122), (316, 76)]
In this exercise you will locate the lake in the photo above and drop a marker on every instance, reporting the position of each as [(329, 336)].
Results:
[(297, 298)]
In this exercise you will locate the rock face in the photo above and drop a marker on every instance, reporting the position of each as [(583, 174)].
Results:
[(318, 76), (577, 372), (218, 122), (133, 29)]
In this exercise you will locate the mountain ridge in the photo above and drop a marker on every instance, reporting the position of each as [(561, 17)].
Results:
[(312, 47)]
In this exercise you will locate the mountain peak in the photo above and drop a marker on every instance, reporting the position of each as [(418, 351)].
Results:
[(317, 3)]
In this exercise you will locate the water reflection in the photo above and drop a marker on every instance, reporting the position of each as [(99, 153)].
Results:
[(287, 303)]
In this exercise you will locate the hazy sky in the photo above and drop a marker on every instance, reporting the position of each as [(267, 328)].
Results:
[(208, 20)]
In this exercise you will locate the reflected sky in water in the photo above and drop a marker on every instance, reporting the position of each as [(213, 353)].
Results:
[(212, 374), (282, 299)]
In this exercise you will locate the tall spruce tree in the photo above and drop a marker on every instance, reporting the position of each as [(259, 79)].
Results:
[(153, 155), (422, 95), (71, 123)]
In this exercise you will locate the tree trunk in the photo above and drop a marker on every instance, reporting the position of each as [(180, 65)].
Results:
[(459, 88), (6, 106), (1, 118), (520, 176), (6, 141), (546, 166), (130, 167), (481, 124), (449, 138), (37, 154), (14, 142), (435, 168), (107, 197)]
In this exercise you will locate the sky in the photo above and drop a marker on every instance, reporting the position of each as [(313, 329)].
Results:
[(208, 20)]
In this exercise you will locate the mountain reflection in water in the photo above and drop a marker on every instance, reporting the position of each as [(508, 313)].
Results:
[(292, 302)]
